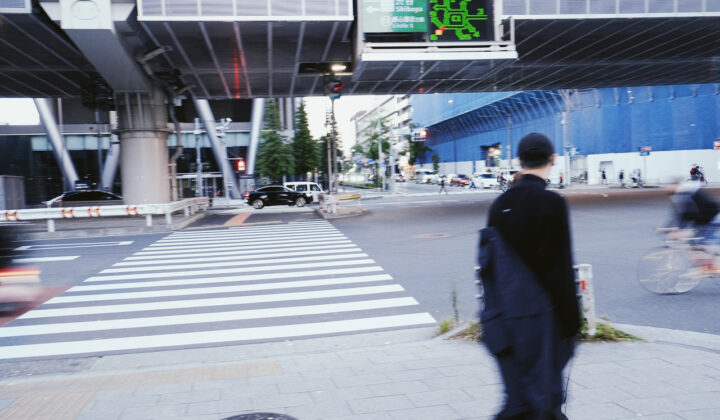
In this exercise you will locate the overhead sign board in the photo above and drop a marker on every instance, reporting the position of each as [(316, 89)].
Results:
[(454, 21), (387, 16)]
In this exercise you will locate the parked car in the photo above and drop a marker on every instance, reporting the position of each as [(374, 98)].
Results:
[(485, 180), (460, 180), (425, 176), (276, 195), (85, 198), (311, 190), (399, 178)]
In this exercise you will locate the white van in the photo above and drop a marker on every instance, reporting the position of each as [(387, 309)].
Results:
[(311, 189), (425, 176)]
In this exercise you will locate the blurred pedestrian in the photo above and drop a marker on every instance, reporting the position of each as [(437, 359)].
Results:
[(621, 178), (603, 175), (531, 315), (561, 184), (442, 185)]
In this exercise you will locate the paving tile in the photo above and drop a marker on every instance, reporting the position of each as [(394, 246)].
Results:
[(438, 397), (604, 411), (371, 416), (657, 417), (380, 404), (222, 406), (652, 389), (342, 394), (711, 414), (399, 388), (247, 391), (599, 395), (191, 397), (164, 389), (410, 375), (284, 400), (320, 411), (305, 386), (5, 403), (437, 412), (456, 382), (477, 408), (121, 403), (650, 406), (153, 412), (360, 380), (699, 400)]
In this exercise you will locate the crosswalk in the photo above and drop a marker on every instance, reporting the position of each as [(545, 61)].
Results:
[(224, 286)]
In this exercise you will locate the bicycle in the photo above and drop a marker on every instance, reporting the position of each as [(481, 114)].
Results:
[(677, 267)]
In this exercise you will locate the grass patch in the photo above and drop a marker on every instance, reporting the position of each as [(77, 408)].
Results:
[(445, 326), (605, 334), (472, 332)]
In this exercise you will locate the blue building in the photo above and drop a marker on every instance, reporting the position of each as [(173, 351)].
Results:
[(595, 128)]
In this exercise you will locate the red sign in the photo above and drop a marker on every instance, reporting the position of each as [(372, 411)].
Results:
[(717, 145)]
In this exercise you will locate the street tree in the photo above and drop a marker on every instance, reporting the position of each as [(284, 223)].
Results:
[(275, 157), (305, 150), (436, 162), (415, 150)]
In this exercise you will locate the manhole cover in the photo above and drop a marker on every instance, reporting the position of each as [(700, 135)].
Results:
[(261, 416), (431, 235)]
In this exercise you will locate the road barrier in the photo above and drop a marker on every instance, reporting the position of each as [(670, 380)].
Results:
[(586, 294), (188, 206)]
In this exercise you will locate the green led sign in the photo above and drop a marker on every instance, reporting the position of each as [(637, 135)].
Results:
[(459, 20)]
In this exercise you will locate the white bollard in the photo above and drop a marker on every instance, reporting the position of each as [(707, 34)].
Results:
[(148, 220), (586, 292), (51, 225), (168, 217)]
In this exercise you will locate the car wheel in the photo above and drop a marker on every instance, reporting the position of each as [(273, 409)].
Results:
[(258, 204), (300, 202)]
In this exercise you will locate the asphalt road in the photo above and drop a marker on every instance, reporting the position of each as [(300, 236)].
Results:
[(429, 245), (409, 256)]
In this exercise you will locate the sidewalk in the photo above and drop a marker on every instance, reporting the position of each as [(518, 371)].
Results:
[(397, 375)]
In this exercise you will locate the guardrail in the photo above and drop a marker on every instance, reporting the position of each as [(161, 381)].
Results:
[(189, 206)]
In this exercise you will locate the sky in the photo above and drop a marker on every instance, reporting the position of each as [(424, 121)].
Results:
[(22, 112)]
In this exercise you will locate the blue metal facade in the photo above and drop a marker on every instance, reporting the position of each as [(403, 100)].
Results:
[(612, 120)]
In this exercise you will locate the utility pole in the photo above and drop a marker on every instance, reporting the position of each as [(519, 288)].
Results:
[(509, 148), (381, 168), (333, 146), (198, 160)]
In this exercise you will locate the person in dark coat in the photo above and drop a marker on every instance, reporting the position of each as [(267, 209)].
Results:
[(531, 288)]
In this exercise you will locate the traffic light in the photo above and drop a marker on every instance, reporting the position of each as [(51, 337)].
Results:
[(335, 88), (240, 165)]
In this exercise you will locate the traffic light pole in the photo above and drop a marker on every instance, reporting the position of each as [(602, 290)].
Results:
[(333, 148)]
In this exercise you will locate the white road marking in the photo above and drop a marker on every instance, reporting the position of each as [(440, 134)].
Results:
[(204, 303), (270, 262), (278, 267), (191, 245), (45, 247), (73, 298), (245, 255), (74, 327), (221, 247), (242, 235), (225, 279), (238, 232), (45, 259), (208, 337)]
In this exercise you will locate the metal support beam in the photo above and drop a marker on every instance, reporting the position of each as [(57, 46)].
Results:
[(62, 156), (258, 115), (219, 149)]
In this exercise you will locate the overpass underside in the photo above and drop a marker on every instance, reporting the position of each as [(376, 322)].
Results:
[(252, 56)]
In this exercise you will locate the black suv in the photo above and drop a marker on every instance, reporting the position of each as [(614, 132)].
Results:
[(274, 195)]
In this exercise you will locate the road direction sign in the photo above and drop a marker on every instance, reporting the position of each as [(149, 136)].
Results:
[(382, 16)]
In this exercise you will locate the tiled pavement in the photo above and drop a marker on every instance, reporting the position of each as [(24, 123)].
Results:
[(394, 375)]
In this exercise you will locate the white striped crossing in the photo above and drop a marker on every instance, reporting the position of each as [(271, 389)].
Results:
[(215, 287)]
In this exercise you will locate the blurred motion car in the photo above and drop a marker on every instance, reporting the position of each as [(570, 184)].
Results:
[(399, 178), (311, 190), (85, 198), (273, 195), (485, 180), (460, 180), (19, 286)]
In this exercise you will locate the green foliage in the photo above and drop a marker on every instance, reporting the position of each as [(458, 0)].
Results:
[(305, 151), (604, 333), (436, 162), (415, 150), (445, 326), (275, 158)]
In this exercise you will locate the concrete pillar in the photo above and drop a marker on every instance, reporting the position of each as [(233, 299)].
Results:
[(143, 133)]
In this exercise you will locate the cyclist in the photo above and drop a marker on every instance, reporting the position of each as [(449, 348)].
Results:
[(699, 215), (695, 173)]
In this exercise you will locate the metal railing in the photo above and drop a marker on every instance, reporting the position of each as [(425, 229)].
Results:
[(188, 206)]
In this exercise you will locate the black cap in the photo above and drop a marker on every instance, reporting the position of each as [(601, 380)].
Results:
[(535, 149)]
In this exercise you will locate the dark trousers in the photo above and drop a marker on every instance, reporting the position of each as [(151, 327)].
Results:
[(532, 367)]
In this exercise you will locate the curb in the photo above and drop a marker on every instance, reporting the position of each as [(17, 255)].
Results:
[(352, 212), (670, 336), (113, 231)]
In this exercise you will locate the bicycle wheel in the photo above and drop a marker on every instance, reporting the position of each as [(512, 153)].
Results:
[(667, 271)]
